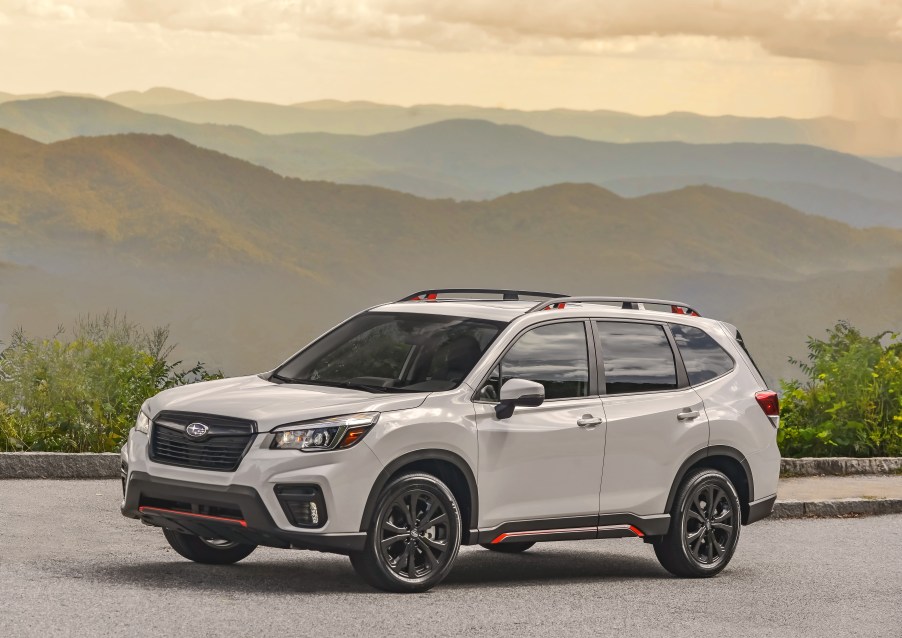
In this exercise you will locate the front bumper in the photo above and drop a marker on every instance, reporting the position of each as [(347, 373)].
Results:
[(246, 518), (344, 479)]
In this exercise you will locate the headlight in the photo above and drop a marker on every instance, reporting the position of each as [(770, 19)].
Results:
[(143, 422), (324, 434)]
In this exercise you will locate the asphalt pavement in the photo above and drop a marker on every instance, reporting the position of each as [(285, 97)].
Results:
[(70, 565)]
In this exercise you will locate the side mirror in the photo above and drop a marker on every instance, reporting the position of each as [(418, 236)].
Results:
[(519, 392)]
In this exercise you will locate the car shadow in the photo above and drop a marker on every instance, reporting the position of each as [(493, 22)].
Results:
[(263, 577), (333, 574), (558, 566)]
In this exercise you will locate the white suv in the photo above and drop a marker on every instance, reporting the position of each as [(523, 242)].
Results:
[(417, 426)]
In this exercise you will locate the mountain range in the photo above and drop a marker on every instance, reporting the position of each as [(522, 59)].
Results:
[(878, 137), (894, 163), (247, 264), (474, 159)]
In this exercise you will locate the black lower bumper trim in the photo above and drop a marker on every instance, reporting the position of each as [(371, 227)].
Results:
[(258, 527), (760, 509)]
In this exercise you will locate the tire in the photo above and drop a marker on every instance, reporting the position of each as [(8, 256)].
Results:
[(702, 539), (207, 551), (403, 553), (508, 548)]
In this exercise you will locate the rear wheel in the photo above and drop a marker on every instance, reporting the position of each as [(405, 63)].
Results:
[(211, 551), (413, 538), (704, 526), (508, 548)]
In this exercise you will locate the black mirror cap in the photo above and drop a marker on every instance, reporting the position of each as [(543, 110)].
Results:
[(531, 400), (505, 409)]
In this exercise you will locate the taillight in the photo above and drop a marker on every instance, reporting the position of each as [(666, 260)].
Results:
[(770, 403)]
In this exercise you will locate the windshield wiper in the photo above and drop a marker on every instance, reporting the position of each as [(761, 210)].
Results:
[(338, 384), (365, 387)]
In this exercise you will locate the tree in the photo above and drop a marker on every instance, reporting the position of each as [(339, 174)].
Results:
[(850, 403), (83, 394)]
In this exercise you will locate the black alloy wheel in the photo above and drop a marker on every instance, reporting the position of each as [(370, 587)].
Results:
[(414, 533), (414, 536), (704, 526), (709, 524)]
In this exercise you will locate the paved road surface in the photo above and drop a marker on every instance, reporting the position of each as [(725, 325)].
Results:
[(70, 565)]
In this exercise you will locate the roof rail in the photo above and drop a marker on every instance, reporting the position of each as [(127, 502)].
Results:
[(506, 295), (627, 303)]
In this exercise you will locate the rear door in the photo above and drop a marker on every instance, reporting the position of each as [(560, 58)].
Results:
[(654, 419), (541, 463)]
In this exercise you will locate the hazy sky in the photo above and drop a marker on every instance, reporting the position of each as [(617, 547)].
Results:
[(747, 57)]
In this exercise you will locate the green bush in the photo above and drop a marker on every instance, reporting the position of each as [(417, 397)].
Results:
[(850, 403), (83, 394)]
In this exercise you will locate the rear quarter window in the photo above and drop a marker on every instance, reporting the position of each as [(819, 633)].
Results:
[(702, 355)]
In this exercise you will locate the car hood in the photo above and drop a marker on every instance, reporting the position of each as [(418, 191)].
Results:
[(273, 404)]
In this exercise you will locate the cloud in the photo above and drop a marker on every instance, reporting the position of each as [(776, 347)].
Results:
[(840, 31), (855, 45)]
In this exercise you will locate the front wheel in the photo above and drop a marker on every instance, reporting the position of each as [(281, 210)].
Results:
[(210, 551), (413, 538), (704, 526)]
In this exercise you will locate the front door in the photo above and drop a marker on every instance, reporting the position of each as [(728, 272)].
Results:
[(543, 462)]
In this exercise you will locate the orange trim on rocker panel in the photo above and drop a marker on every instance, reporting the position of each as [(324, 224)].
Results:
[(539, 532)]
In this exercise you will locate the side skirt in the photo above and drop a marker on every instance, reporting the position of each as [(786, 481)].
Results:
[(574, 528)]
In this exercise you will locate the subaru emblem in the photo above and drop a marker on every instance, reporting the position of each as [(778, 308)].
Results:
[(196, 430)]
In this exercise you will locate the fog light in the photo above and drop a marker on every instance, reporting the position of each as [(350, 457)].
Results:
[(303, 514), (303, 504), (314, 514)]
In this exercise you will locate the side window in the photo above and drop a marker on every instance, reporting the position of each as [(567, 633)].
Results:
[(555, 355), (704, 358), (637, 357)]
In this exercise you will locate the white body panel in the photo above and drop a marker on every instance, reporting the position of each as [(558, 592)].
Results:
[(646, 444), (445, 421), (539, 463)]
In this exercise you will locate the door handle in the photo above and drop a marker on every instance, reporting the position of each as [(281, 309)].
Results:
[(688, 415), (588, 421)]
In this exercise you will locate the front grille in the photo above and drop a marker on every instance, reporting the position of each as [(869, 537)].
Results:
[(222, 448)]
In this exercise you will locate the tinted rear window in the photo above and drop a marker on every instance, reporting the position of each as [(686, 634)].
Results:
[(704, 358), (637, 357)]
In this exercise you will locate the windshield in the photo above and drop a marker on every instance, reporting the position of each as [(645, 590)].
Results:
[(394, 352)]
